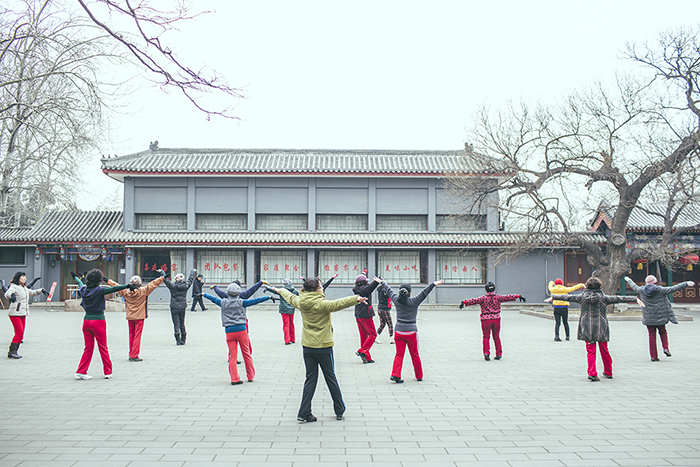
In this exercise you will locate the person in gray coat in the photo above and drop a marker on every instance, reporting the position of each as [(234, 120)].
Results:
[(287, 312), (657, 311), (593, 322), (178, 304)]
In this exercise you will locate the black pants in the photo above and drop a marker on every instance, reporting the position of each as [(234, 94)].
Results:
[(561, 313), (195, 300), (313, 358), (178, 317)]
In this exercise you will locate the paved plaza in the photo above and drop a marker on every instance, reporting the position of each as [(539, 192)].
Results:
[(177, 408)]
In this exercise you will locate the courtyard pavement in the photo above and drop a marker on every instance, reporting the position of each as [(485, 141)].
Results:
[(177, 408)]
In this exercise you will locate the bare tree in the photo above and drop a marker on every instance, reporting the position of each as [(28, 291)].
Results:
[(623, 144)]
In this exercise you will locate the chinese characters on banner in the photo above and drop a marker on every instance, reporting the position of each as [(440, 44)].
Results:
[(278, 265), (220, 266), (460, 269)]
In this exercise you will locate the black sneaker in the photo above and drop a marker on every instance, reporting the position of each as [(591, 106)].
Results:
[(362, 356), (370, 361), (396, 379), (654, 359), (307, 419), (593, 378), (135, 359), (236, 383), (498, 357), (607, 376), (339, 417), (556, 339), (667, 353), (487, 357), (567, 338)]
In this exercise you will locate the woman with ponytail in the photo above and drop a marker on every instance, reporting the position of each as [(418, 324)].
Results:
[(406, 331)]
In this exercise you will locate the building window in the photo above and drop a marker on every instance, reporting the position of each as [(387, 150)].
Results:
[(468, 222), (222, 222), (281, 222), (221, 266), (455, 267), (340, 222), (274, 266), (12, 256), (398, 267), (161, 221), (347, 264), (149, 261), (402, 223)]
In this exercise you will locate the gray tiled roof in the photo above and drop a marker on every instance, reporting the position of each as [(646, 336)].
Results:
[(106, 227), (652, 217), (293, 162)]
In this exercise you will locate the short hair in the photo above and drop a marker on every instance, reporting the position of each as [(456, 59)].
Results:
[(594, 283), (312, 284), (93, 278)]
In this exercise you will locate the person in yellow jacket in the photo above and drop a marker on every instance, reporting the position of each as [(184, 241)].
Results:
[(136, 298), (317, 341), (561, 308)]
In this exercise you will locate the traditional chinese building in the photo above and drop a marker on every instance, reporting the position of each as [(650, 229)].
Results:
[(644, 228), (275, 214)]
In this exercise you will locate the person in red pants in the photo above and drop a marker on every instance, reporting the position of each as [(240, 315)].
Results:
[(94, 324), (406, 330), (136, 298), (593, 323), (286, 312), (364, 315), (18, 294), (491, 317)]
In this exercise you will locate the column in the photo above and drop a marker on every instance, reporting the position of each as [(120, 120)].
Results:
[(250, 278), (191, 219), (372, 208), (432, 204), (432, 298), (371, 263), (251, 203), (129, 219), (312, 204)]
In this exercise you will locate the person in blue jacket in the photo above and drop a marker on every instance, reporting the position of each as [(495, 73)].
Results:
[(233, 319)]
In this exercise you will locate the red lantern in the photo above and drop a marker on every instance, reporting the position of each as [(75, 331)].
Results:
[(689, 260), (640, 263)]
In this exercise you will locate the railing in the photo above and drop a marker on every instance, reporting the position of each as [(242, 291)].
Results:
[(73, 293)]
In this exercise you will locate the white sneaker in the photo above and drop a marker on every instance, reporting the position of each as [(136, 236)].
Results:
[(108, 376), (81, 376), (392, 341), (377, 341)]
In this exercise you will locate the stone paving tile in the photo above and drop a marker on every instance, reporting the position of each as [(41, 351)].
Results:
[(177, 408)]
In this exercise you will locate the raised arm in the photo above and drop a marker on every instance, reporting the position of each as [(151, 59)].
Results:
[(249, 293), (339, 304), (578, 298), (632, 285), (255, 301), (674, 288), (190, 280), (328, 282), (367, 290), (610, 299), (212, 298), (389, 293), (219, 292)]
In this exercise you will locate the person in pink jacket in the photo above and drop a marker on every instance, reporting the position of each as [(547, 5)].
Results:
[(491, 317)]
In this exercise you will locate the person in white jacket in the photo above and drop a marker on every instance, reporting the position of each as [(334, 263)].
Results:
[(18, 294)]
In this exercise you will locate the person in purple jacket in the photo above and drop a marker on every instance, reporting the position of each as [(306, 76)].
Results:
[(94, 324), (491, 317)]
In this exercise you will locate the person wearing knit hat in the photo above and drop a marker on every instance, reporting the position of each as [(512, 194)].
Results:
[(561, 308), (657, 311), (364, 317), (178, 304), (287, 312), (233, 319)]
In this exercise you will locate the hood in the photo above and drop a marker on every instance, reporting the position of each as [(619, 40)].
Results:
[(650, 290), (289, 287), (233, 290)]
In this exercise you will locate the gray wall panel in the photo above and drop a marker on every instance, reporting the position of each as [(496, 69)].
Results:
[(331, 182), (160, 201), (221, 181), (160, 181), (221, 200), (402, 182), (342, 201), (281, 200), (405, 201), (286, 182)]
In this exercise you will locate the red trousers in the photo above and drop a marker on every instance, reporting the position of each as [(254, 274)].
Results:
[(95, 330), (652, 339), (604, 354), (234, 339), (402, 340), (18, 323), (367, 335), (135, 330), (487, 327), (288, 327)]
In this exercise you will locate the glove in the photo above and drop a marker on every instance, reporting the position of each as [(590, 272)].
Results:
[(274, 300), (13, 298), (34, 281), (44, 291), (522, 299), (161, 272), (461, 305), (73, 275), (691, 283), (104, 279), (133, 287)]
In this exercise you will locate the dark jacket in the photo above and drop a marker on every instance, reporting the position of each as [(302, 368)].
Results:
[(197, 288), (362, 310), (285, 307), (94, 299), (178, 292), (383, 300), (657, 309), (593, 321)]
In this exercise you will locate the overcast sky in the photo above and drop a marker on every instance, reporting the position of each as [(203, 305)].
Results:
[(379, 74)]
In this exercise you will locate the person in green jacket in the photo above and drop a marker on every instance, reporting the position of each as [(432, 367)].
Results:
[(287, 313), (317, 341)]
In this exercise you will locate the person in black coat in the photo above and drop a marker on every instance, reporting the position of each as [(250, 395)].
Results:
[(364, 317), (178, 303), (197, 293)]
